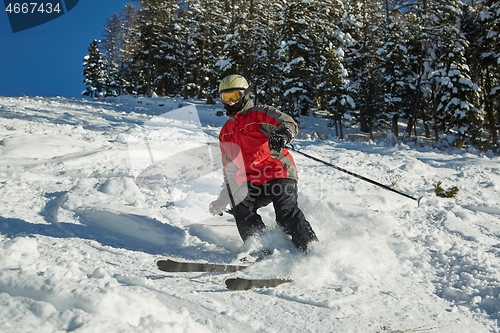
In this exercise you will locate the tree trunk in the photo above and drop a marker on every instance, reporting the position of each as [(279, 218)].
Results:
[(148, 75), (412, 120), (394, 127), (427, 130), (363, 126), (488, 108), (413, 116)]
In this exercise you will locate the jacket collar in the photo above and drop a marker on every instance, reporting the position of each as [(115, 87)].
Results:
[(248, 105)]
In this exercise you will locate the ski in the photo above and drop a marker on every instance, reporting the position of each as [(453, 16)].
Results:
[(247, 284), (173, 266)]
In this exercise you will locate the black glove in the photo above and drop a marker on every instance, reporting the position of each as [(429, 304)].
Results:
[(278, 141), (217, 207)]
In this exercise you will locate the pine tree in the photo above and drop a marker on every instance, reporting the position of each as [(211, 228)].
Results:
[(336, 88), (417, 100), (483, 32), (397, 64), (170, 58), (298, 57), (324, 32), (129, 73), (492, 57), (236, 36), (367, 73), (180, 47), (449, 74), (111, 45), (266, 74), (152, 16), (95, 71), (370, 98), (208, 28)]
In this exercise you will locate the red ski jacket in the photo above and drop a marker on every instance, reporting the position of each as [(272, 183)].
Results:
[(246, 156)]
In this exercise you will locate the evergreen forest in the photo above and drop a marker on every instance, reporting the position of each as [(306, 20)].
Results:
[(433, 66)]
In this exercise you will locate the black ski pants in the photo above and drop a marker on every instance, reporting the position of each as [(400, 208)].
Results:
[(283, 194)]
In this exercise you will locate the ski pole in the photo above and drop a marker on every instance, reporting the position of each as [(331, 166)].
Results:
[(355, 175), (231, 198)]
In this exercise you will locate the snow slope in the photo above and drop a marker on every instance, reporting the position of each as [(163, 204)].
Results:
[(93, 192)]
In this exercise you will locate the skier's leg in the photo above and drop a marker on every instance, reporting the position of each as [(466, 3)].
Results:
[(288, 215), (248, 221)]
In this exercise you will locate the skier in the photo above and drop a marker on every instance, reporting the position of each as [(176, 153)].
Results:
[(257, 167)]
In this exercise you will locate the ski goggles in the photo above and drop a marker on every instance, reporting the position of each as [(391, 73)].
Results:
[(234, 95)]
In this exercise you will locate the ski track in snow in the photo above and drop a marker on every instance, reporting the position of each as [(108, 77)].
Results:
[(92, 192)]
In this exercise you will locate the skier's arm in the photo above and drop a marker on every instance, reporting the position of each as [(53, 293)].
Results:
[(282, 130), (229, 171)]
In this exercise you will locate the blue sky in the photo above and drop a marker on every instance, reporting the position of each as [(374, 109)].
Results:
[(47, 60)]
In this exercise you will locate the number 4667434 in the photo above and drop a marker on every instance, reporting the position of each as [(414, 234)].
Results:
[(33, 7)]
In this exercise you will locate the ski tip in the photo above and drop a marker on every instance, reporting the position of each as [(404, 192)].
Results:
[(159, 262), (160, 259)]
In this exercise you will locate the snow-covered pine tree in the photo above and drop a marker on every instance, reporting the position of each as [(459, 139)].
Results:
[(367, 73), (236, 42), (492, 41), (397, 64), (129, 76), (179, 58), (266, 75), (456, 113), (251, 40), (336, 88), (298, 55), (208, 28), (324, 31), (417, 46), (170, 60), (483, 32), (449, 74), (94, 71), (111, 45), (152, 16)]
